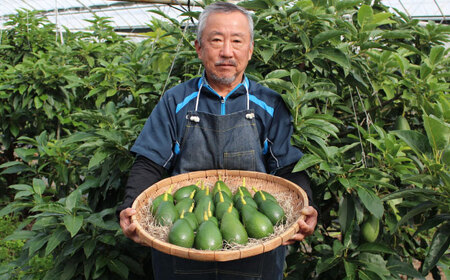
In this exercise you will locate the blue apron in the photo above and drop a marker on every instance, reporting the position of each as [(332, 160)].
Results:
[(220, 142)]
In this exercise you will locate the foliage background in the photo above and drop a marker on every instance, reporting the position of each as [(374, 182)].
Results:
[(368, 91)]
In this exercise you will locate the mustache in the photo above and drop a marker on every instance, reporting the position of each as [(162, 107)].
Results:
[(227, 62)]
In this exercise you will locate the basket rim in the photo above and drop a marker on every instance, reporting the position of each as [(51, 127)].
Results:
[(219, 255)]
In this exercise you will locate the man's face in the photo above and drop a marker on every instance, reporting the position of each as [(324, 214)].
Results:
[(226, 48)]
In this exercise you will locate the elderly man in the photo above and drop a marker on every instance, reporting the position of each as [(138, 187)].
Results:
[(221, 120)]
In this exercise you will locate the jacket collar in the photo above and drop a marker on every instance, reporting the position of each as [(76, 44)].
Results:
[(241, 88)]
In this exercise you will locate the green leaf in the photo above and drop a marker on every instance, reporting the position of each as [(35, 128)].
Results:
[(266, 54), (350, 270), (73, 224), (326, 264), (305, 39), (425, 71), (432, 222), (397, 34), (55, 239), (119, 268), (417, 141), (298, 78), (326, 36), (14, 167), (20, 235), (306, 161), (439, 245), (38, 186), (371, 202), (365, 15), (72, 200), (398, 267), (347, 4), (277, 74), (111, 92), (422, 207), (97, 158), (336, 55), (69, 270), (436, 54), (438, 132), (376, 248), (374, 263), (89, 247), (346, 212)]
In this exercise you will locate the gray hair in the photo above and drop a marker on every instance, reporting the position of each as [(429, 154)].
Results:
[(221, 7)]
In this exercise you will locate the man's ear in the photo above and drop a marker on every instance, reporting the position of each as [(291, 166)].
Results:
[(198, 49), (250, 52)]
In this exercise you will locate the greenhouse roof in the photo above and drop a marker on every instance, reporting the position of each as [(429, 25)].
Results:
[(133, 16)]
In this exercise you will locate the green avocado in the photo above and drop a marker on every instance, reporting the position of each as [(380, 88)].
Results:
[(232, 229), (191, 219), (204, 204), (166, 214), (163, 197), (273, 211), (182, 234), (221, 197), (208, 236), (203, 191), (261, 196), (244, 190), (184, 204), (185, 192), (248, 200), (256, 223), (221, 186), (222, 207), (370, 229)]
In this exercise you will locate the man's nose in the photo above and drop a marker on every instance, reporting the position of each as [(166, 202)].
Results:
[(227, 49)]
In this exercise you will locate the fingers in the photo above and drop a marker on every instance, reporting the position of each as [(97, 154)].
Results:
[(129, 228), (306, 225), (296, 237)]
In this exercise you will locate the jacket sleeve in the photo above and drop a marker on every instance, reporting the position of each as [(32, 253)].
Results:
[(299, 178), (143, 174)]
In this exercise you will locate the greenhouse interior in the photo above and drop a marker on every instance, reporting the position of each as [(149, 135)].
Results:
[(348, 102)]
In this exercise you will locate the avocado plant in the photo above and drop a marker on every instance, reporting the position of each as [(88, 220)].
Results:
[(348, 70)]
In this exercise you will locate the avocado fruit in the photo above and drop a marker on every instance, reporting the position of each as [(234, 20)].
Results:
[(184, 192), (160, 198), (256, 223), (370, 229), (273, 211), (182, 234), (166, 214), (233, 231), (208, 236), (220, 186)]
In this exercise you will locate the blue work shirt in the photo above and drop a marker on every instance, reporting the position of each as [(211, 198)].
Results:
[(163, 131)]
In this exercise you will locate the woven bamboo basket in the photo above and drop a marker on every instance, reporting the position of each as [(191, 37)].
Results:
[(233, 178)]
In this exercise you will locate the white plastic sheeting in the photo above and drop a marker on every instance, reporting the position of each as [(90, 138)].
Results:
[(133, 15), (73, 13)]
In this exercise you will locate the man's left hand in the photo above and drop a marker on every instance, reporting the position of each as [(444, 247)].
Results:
[(306, 226)]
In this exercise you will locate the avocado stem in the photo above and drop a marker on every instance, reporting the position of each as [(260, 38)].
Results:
[(230, 208), (191, 196)]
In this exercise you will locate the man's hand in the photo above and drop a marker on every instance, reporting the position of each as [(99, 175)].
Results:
[(306, 227), (129, 228)]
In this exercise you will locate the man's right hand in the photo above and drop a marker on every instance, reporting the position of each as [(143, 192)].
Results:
[(129, 228)]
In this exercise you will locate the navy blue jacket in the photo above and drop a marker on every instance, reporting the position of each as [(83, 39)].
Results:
[(164, 129)]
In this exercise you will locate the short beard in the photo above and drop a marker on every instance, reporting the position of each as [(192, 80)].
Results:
[(222, 80)]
